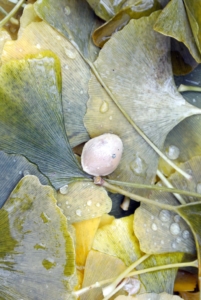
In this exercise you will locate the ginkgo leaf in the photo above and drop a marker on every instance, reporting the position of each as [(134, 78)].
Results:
[(13, 168), (28, 16), (192, 215), (146, 92), (140, 9), (83, 200), (68, 18), (150, 296), (100, 266), (168, 230), (193, 11), (40, 36), (118, 239), (173, 21), (31, 119), (36, 250)]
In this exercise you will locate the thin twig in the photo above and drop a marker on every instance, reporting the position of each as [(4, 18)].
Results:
[(11, 13)]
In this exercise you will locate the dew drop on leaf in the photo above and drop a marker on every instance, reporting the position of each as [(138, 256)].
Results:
[(138, 166), (186, 234), (177, 218), (164, 215), (199, 188), (70, 53), (172, 152), (154, 227), (175, 228), (104, 107), (78, 212), (64, 189), (67, 10)]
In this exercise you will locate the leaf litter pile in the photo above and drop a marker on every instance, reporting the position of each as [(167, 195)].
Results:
[(74, 70)]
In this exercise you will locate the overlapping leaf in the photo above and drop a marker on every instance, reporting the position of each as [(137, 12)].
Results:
[(173, 21), (145, 91), (13, 168), (84, 200), (136, 11), (31, 119), (38, 36), (36, 250), (68, 17), (118, 239)]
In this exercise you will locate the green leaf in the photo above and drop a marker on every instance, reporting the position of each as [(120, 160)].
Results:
[(193, 10), (68, 18), (140, 9), (31, 118), (36, 250), (146, 92), (39, 36), (173, 21), (13, 168), (192, 215)]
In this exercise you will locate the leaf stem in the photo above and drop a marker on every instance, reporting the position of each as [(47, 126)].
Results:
[(189, 88), (135, 126), (153, 187), (115, 189), (11, 13), (168, 184), (170, 266), (108, 290)]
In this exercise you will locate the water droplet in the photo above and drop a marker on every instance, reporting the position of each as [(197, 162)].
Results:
[(98, 204), (113, 155), (110, 118), (177, 218), (164, 215), (58, 37), (20, 172), (66, 67), (67, 10), (152, 217), (89, 203), (104, 107), (64, 189), (172, 152), (186, 234), (154, 227), (138, 165), (174, 245), (199, 188), (67, 202), (70, 53), (38, 46), (174, 228), (68, 218), (162, 242), (78, 212), (178, 240), (81, 92)]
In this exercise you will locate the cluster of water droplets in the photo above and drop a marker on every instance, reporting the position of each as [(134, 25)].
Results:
[(172, 223)]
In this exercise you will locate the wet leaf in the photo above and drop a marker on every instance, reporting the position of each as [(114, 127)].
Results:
[(173, 21), (13, 168), (40, 36), (147, 94), (191, 213), (84, 200), (36, 250), (31, 119), (136, 11), (28, 16), (68, 18), (100, 266), (85, 232), (150, 296), (194, 12), (4, 36), (119, 240), (168, 230)]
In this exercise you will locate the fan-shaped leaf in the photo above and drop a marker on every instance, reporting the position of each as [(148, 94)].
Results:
[(36, 250), (146, 92), (40, 36), (31, 119)]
